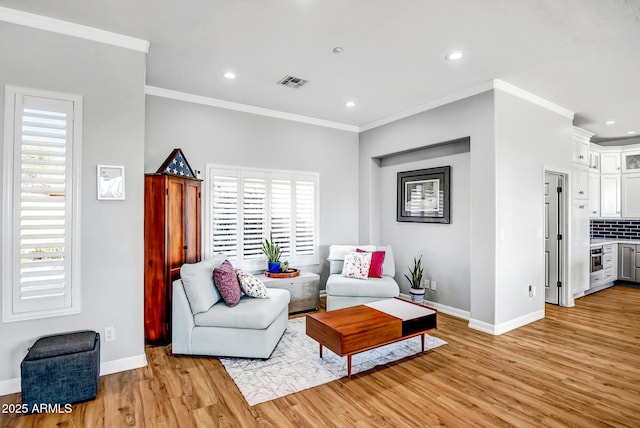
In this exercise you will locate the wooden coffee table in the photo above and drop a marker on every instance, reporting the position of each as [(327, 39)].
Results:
[(359, 328)]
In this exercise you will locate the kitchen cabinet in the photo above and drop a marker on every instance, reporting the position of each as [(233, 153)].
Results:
[(631, 161), (580, 246), (580, 151), (594, 160), (627, 262), (610, 195), (594, 194), (610, 162), (630, 195), (580, 183)]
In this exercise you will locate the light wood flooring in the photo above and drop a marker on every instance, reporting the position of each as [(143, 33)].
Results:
[(578, 367)]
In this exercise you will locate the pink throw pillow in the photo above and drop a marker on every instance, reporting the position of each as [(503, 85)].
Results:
[(377, 259), (227, 283)]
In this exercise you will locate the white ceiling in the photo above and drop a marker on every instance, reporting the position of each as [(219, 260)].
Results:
[(583, 55)]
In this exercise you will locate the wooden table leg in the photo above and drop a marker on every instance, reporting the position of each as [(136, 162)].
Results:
[(321, 350), (349, 366), (422, 337)]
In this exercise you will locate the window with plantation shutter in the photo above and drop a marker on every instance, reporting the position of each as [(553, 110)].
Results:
[(41, 251), (245, 205)]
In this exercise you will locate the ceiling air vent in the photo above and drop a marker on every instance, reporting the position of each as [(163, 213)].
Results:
[(292, 82)]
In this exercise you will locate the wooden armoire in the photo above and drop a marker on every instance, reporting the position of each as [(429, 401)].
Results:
[(171, 238)]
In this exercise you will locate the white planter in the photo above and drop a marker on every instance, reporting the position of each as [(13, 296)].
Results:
[(417, 294)]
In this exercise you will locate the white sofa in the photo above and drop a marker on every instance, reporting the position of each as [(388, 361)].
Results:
[(343, 292), (251, 329)]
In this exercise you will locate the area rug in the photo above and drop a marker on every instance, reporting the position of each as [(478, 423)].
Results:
[(295, 364)]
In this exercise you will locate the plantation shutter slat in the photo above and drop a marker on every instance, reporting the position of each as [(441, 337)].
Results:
[(225, 214), (42, 203), (253, 216), (248, 204), (280, 214), (305, 217)]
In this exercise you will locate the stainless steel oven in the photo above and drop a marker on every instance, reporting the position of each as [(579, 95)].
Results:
[(596, 259)]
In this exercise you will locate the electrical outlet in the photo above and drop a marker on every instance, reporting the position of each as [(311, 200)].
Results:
[(433, 284), (109, 334), (425, 283), (532, 291)]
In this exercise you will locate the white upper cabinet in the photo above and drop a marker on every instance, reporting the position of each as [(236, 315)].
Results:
[(610, 195), (580, 151), (594, 194), (580, 183), (631, 161), (594, 161), (631, 195), (610, 162)]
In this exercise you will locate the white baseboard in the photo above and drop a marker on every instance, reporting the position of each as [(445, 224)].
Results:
[(123, 364), (506, 326), (449, 310), (11, 386)]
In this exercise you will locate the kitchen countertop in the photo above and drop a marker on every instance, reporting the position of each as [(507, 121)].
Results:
[(604, 241)]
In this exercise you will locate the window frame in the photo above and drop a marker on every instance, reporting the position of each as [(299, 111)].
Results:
[(259, 264), (14, 96)]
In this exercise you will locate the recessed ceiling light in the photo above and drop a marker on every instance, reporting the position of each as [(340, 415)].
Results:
[(229, 75), (350, 104), (610, 122), (337, 49), (454, 56), (631, 132)]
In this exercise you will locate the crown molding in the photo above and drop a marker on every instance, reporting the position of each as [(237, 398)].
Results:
[(229, 105), (532, 98), (53, 25), (583, 133), (469, 92)]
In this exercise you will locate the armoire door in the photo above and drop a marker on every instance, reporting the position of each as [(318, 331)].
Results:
[(191, 222), (175, 231)]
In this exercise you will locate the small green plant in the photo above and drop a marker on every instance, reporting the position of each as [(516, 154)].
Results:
[(416, 273), (284, 266), (271, 249)]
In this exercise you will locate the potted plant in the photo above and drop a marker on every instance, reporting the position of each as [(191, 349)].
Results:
[(415, 280), (272, 251)]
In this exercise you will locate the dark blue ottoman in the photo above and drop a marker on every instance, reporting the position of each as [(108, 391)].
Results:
[(61, 369)]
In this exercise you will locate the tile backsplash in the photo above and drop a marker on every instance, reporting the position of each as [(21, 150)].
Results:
[(619, 228)]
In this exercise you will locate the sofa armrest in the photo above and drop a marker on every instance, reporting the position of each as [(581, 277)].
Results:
[(182, 320)]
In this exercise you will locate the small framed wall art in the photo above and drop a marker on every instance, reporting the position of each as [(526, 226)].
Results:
[(110, 182), (423, 195)]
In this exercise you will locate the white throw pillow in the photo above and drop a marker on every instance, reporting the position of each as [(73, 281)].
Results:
[(356, 265), (197, 279), (251, 286)]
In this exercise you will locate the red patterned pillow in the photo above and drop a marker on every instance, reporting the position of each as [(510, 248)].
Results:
[(377, 259), (227, 283)]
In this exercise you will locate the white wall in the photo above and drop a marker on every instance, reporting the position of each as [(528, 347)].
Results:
[(529, 139), (111, 80), (211, 134), (445, 248), (474, 288)]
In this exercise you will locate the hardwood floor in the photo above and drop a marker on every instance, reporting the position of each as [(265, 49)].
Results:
[(578, 367)]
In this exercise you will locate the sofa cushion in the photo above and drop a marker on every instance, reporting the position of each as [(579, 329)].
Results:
[(389, 264), (377, 258), (338, 285), (251, 286), (227, 283), (198, 283), (356, 265), (249, 313)]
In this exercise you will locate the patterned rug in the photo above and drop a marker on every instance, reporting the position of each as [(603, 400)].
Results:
[(295, 364)]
